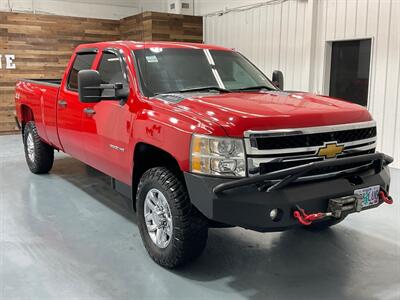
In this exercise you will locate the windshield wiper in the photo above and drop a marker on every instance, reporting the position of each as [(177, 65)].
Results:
[(198, 89), (258, 87)]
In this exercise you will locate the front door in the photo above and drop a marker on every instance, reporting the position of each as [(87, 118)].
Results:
[(69, 108), (107, 124)]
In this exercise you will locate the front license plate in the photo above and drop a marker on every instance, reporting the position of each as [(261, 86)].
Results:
[(370, 195)]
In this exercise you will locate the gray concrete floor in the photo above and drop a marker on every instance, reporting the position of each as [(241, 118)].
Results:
[(67, 235)]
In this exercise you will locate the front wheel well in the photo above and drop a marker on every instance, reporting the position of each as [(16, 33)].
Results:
[(146, 157)]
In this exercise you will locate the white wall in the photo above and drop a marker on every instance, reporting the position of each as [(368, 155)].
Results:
[(379, 20), (152, 5), (203, 7), (104, 9), (274, 37), (294, 37)]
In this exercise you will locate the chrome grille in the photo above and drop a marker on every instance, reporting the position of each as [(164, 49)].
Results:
[(274, 150)]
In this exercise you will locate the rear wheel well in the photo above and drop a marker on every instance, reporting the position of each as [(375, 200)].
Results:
[(146, 157), (26, 116)]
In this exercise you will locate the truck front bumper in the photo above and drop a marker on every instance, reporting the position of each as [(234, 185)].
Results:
[(248, 203)]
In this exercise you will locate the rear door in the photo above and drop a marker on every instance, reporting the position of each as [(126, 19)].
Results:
[(70, 109), (107, 124)]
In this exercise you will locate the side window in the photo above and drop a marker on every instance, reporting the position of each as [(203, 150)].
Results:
[(110, 69), (82, 61), (110, 72)]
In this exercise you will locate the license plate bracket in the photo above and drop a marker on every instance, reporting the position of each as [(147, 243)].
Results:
[(369, 195)]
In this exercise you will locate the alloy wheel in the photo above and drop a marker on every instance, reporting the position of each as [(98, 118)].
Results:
[(157, 215)]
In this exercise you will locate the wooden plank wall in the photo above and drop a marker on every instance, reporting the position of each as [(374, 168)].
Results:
[(154, 26), (133, 28), (42, 44)]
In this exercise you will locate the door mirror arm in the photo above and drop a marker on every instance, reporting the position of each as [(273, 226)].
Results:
[(121, 93)]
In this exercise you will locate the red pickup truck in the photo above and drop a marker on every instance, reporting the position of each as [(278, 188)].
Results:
[(198, 137)]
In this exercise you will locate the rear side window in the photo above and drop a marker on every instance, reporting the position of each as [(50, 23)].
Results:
[(82, 61)]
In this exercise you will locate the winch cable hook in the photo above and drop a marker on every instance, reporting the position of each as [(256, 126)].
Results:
[(307, 219)]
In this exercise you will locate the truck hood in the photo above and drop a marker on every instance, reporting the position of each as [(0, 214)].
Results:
[(238, 112)]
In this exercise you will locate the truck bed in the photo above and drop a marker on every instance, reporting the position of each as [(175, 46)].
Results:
[(40, 95)]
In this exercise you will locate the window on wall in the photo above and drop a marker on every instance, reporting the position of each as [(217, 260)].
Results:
[(350, 65)]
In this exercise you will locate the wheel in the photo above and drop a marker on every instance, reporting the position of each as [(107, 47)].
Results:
[(323, 225), (173, 231), (39, 155)]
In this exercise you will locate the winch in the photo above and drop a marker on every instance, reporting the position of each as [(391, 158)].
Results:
[(337, 207)]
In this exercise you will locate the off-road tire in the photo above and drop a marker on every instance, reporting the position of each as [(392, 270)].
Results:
[(190, 227), (43, 153)]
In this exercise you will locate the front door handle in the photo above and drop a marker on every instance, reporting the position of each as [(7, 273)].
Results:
[(89, 111), (62, 103)]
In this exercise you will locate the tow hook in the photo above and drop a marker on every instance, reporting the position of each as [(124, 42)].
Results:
[(384, 196), (307, 219)]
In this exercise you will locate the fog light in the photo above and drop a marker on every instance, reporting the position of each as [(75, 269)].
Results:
[(275, 214)]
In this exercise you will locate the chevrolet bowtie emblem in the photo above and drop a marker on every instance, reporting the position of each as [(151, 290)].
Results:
[(330, 150)]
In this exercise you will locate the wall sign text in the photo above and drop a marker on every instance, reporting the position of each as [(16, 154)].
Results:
[(7, 62)]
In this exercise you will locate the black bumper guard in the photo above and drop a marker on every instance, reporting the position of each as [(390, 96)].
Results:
[(279, 179)]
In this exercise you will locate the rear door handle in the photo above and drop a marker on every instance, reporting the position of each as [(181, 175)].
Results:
[(62, 103), (89, 111)]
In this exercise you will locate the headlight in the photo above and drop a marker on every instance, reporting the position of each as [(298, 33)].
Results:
[(218, 156)]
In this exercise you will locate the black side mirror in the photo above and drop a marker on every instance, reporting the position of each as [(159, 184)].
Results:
[(277, 79), (89, 82), (90, 88)]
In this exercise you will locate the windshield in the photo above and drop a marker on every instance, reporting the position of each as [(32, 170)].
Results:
[(172, 70)]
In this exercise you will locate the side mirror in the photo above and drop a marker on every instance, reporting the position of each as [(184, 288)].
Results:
[(277, 79), (90, 88)]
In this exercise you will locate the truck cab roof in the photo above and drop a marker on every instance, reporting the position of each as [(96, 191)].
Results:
[(136, 45)]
